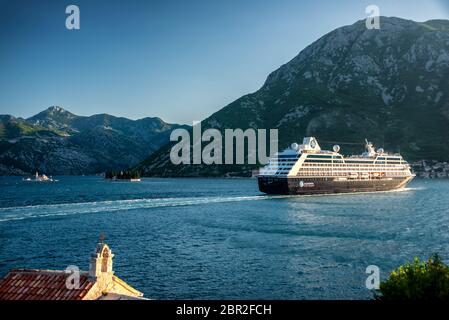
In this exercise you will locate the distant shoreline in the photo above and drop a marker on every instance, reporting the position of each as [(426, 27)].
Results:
[(144, 177), (418, 176), (424, 169)]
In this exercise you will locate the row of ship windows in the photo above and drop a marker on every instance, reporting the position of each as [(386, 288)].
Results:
[(340, 174), (318, 156), (353, 162), (354, 167), (354, 170), (345, 174), (329, 165), (308, 171), (351, 170), (339, 168), (339, 162), (327, 171), (325, 156)]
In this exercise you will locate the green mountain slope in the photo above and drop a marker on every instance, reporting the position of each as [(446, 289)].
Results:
[(11, 127)]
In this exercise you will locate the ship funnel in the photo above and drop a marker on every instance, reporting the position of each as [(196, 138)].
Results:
[(310, 145)]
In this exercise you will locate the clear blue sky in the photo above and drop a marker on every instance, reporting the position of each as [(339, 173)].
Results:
[(179, 60)]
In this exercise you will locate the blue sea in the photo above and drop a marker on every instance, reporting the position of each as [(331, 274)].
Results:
[(222, 238)]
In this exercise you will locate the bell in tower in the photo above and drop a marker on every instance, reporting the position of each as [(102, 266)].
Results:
[(101, 261)]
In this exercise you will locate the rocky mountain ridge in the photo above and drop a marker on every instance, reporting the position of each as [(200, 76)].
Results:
[(56, 141)]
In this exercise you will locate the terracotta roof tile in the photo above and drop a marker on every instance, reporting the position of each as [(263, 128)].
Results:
[(41, 285)]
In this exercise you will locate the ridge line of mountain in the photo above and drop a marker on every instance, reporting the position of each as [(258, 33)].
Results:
[(56, 141)]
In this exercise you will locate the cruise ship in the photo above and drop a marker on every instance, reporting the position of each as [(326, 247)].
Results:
[(306, 169)]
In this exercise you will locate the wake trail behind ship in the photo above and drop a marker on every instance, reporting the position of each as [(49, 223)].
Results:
[(66, 209), (53, 210)]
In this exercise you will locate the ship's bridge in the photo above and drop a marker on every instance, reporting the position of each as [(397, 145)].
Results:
[(282, 162)]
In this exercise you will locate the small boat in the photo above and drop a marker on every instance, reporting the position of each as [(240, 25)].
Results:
[(40, 178)]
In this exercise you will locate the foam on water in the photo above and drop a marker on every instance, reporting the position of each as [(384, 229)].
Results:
[(64, 209), (42, 211)]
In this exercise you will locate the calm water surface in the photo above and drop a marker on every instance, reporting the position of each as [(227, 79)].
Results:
[(221, 238)]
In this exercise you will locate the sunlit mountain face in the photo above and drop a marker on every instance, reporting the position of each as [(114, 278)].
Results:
[(390, 85)]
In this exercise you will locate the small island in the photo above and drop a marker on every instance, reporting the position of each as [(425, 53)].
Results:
[(127, 175)]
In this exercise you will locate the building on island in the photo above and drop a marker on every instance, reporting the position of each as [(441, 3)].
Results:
[(99, 283)]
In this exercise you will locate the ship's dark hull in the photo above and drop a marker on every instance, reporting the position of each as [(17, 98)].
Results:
[(309, 186)]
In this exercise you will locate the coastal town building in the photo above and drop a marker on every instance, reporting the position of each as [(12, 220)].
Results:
[(99, 283), (431, 169)]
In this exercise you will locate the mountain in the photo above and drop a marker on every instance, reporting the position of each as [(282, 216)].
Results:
[(147, 129), (54, 118), (11, 127), (56, 141), (389, 85)]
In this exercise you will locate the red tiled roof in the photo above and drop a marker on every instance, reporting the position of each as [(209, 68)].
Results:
[(41, 285)]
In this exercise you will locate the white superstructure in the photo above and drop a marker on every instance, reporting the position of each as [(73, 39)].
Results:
[(309, 161)]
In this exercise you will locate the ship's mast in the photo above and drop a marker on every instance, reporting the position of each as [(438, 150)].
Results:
[(370, 151)]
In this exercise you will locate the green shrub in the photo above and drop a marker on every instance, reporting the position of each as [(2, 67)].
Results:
[(419, 280)]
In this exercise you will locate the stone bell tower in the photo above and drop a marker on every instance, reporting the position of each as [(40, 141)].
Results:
[(100, 267)]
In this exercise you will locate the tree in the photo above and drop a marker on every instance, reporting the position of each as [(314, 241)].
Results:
[(127, 174), (419, 280)]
